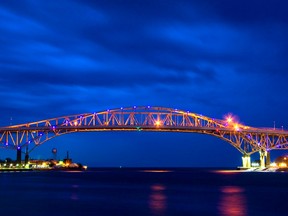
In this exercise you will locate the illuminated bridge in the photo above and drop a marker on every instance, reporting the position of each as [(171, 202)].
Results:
[(246, 139)]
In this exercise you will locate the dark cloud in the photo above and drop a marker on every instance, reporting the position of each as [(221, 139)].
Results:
[(249, 12)]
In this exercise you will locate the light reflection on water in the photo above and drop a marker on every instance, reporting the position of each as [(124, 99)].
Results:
[(158, 199), (156, 171), (232, 201), (74, 194)]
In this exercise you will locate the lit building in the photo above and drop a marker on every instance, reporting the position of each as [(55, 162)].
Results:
[(282, 161)]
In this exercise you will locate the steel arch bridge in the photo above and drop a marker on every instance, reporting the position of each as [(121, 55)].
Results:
[(247, 140)]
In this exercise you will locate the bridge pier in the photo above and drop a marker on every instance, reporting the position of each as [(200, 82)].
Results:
[(246, 161), (268, 159), (19, 154), (263, 155), (264, 158), (26, 155)]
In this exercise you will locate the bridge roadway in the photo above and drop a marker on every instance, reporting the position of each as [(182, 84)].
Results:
[(246, 139), (83, 128)]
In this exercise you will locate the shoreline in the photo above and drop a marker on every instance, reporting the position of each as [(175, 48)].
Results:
[(143, 169)]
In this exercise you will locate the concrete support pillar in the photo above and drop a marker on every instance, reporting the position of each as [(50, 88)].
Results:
[(26, 155), (246, 161), (262, 158), (18, 159), (268, 160)]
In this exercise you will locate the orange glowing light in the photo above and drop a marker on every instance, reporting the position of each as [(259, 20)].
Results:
[(236, 127), (229, 119), (158, 123)]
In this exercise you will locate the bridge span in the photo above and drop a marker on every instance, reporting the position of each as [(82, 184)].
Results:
[(246, 139)]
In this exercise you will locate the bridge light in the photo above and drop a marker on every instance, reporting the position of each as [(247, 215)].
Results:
[(236, 127), (158, 123), (229, 119), (75, 123)]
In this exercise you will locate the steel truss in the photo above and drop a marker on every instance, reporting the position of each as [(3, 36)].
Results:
[(246, 139)]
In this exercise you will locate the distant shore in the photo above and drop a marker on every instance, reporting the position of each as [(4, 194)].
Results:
[(143, 169)]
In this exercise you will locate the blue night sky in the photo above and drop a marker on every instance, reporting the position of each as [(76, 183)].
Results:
[(211, 57)]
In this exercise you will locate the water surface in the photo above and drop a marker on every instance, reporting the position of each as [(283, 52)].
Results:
[(139, 192)]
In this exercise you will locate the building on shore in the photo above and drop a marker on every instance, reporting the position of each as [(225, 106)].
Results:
[(282, 161)]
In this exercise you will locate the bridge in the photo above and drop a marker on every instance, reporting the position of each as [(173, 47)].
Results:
[(246, 139)]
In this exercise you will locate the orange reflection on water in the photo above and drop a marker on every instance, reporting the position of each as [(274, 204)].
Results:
[(232, 201), (156, 171), (157, 199), (228, 171)]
